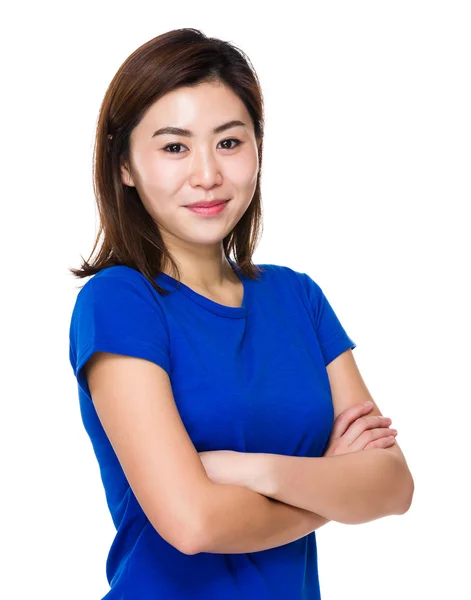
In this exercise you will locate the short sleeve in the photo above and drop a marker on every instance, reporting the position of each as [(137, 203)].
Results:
[(121, 315), (332, 337)]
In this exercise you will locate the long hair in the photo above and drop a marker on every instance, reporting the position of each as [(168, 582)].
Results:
[(182, 57)]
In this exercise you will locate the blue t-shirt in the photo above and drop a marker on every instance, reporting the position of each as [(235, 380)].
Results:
[(249, 379)]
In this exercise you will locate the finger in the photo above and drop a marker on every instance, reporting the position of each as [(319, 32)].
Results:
[(345, 418), (370, 435), (385, 442), (364, 423)]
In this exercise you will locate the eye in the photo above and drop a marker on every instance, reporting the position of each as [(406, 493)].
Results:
[(237, 143), (177, 144)]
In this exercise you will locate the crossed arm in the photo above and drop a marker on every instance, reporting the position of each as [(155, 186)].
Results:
[(241, 520), (350, 488), (284, 498)]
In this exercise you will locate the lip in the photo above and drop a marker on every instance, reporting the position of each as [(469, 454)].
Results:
[(207, 203), (207, 211)]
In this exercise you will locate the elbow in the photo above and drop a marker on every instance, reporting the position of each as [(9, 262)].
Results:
[(183, 530), (407, 494), (193, 542), (188, 547), (394, 501), (191, 536), (182, 538), (402, 499), (206, 535), (194, 538)]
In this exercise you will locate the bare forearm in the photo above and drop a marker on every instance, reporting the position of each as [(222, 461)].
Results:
[(240, 520), (349, 488)]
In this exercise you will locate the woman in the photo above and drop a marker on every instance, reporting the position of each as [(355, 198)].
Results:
[(209, 386)]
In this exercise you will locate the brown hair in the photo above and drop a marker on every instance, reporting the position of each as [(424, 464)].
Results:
[(182, 57)]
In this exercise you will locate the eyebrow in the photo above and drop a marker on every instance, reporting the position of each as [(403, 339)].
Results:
[(188, 133)]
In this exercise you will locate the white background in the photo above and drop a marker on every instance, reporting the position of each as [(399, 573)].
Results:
[(366, 187)]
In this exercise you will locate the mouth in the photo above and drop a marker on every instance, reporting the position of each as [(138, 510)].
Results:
[(208, 203), (210, 209)]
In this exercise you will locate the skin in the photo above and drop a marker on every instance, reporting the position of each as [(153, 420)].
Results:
[(191, 169), (353, 431)]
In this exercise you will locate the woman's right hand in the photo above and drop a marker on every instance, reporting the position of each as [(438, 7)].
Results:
[(354, 430)]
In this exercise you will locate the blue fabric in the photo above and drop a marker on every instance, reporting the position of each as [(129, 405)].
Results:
[(249, 379)]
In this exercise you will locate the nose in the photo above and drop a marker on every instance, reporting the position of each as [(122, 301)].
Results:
[(205, 169)]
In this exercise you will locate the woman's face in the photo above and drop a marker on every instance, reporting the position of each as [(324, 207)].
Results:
[(172, 170)]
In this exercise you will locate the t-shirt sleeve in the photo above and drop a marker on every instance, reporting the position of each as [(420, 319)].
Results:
[(332, 337), (119, 315)]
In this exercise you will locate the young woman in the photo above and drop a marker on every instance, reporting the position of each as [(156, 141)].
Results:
[(222, 399)]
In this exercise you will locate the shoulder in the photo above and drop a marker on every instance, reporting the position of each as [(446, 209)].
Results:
[(118, 311), (116, 279), (113, 276), (277, 272), (115, 292), (302, 282)]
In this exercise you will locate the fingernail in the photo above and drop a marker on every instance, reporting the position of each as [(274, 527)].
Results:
[(368, 403)]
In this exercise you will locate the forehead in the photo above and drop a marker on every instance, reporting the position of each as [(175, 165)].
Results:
[(199, 108)]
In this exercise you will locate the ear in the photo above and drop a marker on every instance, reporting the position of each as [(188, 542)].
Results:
[(126, 176)]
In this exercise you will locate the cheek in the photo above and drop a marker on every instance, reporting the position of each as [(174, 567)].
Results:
[(161, 175), (243, 171)]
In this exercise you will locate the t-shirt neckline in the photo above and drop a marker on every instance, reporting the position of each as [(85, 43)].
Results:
[(211, 305)]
